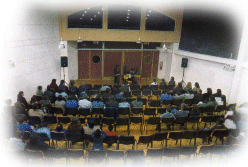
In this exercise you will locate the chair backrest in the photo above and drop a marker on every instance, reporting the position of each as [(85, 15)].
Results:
[(64, 119), (154, 87), (137, 110), (96, 120), (126, 94), (84, 111), (122, 121), (135, 120), (159, 136), (97, 110), (97, 87), (193, 119), (111, 112), (146, 92), (135, 154), (26, 135), (93, 92), (126, 140), (51, 119), (71, 111), (171, 152), (115, 154), (155, 153), (188, 150), (108, 121), (187, 134), (44, 137), (175, 135), (145, 139), (177, 102), (156, 92), (81, 120), (58, 136), (97, 154), (110, 139), (180, 120), (161, 110), (150, 111), (55, 153), (207, 118), (145, 87), (153, 120), (155, 103), (75, 153), (136, 92), (168, 120), (34, 120), (56, 110), (135, 87), (74, 136), (124, 111), (188, 101)]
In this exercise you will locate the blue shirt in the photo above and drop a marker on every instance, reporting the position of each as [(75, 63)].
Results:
[(123, 104), (45, 130), (64, 131), (97, 104), (119, 96), (98, 143), (71, 103), (24, 127), (167, 115), (165, 97)]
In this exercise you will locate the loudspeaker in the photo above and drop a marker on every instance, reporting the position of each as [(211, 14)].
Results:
[(184, 62), (64, 61)]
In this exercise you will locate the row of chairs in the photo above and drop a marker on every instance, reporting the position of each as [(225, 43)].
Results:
[(134, 87), (140, 157)]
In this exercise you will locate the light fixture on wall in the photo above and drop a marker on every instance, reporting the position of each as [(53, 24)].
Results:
[(61, 45), (163, 47), (79, 38)]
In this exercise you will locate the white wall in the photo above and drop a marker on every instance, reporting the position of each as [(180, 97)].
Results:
[(72, 60), (31, 42)]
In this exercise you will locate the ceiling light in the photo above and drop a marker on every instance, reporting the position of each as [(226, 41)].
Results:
[(94, 15), (128, 10), (85, 11), (61, 45), (126, 20), (164, 47), (127, 17), (98, 12), (81, 18), (82, 14), (91, 19), (150, 11), (147, 14), (88, 8), (127, 13), (139, 41)]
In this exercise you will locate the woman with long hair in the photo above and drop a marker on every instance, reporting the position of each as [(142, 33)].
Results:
[(75, 128), (22, 99)]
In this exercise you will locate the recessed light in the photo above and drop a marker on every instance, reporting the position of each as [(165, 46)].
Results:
[(82, 14), (128, 10), (94, 15), (127, 13), (91, 19), (88, 8), (81, 18), (127, 17), (85, 11), (126, 20), (98, 12), (147, 14), (102, 8), (150, 11)]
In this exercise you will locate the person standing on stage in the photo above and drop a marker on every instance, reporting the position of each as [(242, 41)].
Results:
[(116, 75)]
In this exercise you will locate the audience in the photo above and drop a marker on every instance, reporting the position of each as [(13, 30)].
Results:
[(21, 99), (154, 82), (105, 87), (44, 129), (39, 91), (98, 137), (84, 103), (137, 103), (16, 144), (36, 111), (97, 102), (62, 86), (75, 128), (197, 88), (60, 102), (59, 128), (54, 86)]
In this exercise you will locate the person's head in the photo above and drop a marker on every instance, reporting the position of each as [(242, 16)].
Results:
[(189, 85), (218, 91), (139, 98), (172, 78), (75, 124), (184, 106), (84, 96), (54, 81), (59, 127), (21, 93), (60, 98), (110, 128), (105, 84), (40, 88), (33, 99), (83, 83), (62, 82), (91, 123), (34, 138), (107, 90), (48, 88), (209, 91), (197, 85), (83, 89), (154, 80), (179, 84), (97, 97), (97, 133), (162, 80), (34, 106)]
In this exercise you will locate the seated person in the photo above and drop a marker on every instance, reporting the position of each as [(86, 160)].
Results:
[(98, 137), (166, 115), (187, 95), (16, 144), (85, 86), (62, 93), (105, 86), (210, 103), (84, 103), (123, 103), (172, 81), (44, 129), (163, 83), (188, 87), (165, 96), (125, 88), (45, 102), (137, 103), (97, 102), (178, 89), (36, 111), (62, 86), (36, 143), (119, 95), (154, 82), (73, 89), (59, 128), (23, 125), (112, 102), (83, 92), (60, 102), (90, 128), (50, 94), (72, 103), (39, 91), (197, 88), (75, 128), (107, 94)]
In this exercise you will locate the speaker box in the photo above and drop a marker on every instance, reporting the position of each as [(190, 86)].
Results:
[(184, 62), (64, 61)]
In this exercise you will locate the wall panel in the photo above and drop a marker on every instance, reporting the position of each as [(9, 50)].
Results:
[(83, 64), (111, 59)]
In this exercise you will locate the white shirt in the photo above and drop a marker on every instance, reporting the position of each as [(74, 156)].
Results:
[(154, 83), (84, 103), (15, 144), (229, 113), (104, 88), (229, 124)]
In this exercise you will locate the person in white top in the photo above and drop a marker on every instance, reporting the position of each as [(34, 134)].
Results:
[(154, 82), (105, 86), (84, 103)]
